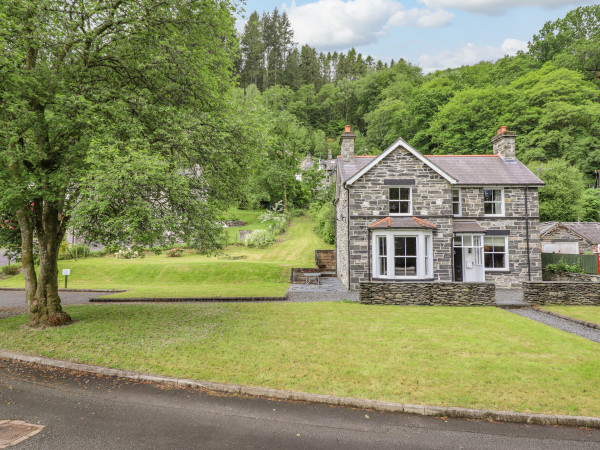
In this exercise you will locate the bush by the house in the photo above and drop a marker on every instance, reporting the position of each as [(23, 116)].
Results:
[(562, 266), (174, 252), (259, 238), (324, 217)]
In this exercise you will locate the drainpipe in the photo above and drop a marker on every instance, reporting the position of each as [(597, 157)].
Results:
[(369, 252), (527, 232), (348, 237)]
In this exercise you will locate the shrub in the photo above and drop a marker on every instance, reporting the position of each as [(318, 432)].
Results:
[(562, 266), (174, 252), (129, 253), (259, 238), (324, 217), (11, 270)]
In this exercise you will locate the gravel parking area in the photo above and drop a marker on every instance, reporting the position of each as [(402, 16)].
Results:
[(558, 323), (330, 289)]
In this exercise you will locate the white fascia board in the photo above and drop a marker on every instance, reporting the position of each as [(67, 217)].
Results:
[(400, 143)]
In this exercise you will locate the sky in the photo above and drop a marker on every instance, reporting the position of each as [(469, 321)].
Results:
[(433, 34)]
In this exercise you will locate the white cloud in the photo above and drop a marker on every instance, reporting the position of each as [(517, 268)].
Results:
[(469, 54), (497, 6), (335, 24)]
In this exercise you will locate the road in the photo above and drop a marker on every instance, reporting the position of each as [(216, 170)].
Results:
[(85, 411), (12, 302)]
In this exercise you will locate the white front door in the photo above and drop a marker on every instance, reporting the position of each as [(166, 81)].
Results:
[(471, 247)]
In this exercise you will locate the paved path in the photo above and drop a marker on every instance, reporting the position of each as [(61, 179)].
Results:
[(13, 302), (330, 289), (561, 324), (82, 411)]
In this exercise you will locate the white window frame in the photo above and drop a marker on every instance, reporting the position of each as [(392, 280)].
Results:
[(506, 267), (501, 213), (410, 199), (424, 254), (459, 202)]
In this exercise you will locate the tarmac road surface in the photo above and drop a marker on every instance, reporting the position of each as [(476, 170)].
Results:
[(84, 411)]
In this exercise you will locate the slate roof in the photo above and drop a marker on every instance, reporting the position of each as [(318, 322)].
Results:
[(484, 170), (347, 170), (590, 231), (402, 222), (468, 227)]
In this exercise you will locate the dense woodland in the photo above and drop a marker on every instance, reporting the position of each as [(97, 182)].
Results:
[(549, 95)]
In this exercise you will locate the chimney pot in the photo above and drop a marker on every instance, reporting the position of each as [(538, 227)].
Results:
[(504, 144), (347, 129), (502, 129)]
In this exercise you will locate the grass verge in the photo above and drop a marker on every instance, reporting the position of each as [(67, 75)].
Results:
[(587, 313), (239, 271), (471, 357)]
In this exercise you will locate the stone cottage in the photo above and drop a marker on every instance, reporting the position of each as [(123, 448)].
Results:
[(570, 237), (404, 216)]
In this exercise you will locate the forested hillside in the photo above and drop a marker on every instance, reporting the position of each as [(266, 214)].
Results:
[(549, 96)]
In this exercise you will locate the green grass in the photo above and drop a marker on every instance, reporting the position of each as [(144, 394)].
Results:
[(251, 217), (587, 313), (260, 272), (476, 357)]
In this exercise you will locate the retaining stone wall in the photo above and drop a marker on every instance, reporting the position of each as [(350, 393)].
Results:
[(561, 293), (570, 276), (437, 293), (298, 277), (325, 259)]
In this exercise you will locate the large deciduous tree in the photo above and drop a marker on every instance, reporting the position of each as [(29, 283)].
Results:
[(114, 114)]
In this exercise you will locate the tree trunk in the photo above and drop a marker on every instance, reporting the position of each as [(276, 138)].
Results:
[(42, 291)]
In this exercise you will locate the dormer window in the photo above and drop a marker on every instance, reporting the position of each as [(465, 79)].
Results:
[(400, 200)]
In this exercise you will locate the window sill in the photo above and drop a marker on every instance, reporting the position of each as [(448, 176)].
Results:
[(497, 270)]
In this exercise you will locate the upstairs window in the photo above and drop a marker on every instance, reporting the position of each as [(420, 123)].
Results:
[(456, 202), (400, 200), (493, 202)]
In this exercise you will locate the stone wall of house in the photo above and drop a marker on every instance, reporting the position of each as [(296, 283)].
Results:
[(561, 293), (561, 234), (569, 276), (341, 234), (369, 202), (436, 293)]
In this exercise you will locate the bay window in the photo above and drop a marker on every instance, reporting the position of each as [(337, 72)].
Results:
[(402, 254)]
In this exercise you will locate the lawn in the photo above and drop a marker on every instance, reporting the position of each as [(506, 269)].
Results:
[(239, 271), (479, 357), (587, 313)]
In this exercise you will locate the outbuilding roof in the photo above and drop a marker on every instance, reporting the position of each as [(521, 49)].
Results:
[(485, 170), (590, 231)]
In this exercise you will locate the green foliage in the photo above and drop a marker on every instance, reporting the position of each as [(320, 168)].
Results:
[(174, 253), (324, 217), (259, 238), (560, 198), (562, 266), (590, 205), (129, 253), (11, 270)]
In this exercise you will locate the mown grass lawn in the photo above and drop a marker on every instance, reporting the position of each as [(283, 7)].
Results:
[(239, 271), (476, 357), (587, 313)]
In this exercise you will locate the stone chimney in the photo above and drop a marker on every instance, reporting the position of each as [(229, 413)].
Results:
[(347, 144), (503, 144), (329, 155)]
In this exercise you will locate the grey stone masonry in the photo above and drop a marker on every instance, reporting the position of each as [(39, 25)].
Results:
[(559, 234), (437, 293), (367, 201), (570, 276), (561, 293)]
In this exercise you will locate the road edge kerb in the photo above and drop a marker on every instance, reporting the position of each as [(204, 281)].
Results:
[(279, 394), (572, 319)]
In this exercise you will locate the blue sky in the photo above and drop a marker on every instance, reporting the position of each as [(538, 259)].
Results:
[(434, 34)]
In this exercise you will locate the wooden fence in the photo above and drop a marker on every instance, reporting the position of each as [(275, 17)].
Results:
[(588, 262)]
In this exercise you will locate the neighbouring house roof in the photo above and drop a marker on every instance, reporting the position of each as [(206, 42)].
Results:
[(348, 169), (485, 170), (399, 143), (468, 227), (402, 222), (590, 231)]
